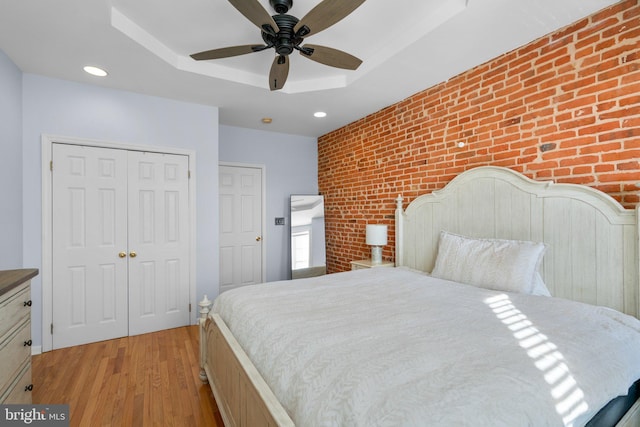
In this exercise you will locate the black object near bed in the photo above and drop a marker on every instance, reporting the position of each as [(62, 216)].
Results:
[(613, 412)]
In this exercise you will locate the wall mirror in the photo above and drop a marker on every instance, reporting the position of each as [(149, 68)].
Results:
[(308, 256)]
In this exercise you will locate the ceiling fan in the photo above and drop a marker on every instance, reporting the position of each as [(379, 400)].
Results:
[(285, 33)]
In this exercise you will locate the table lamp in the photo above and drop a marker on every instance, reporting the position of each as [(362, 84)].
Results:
[(376, 237)]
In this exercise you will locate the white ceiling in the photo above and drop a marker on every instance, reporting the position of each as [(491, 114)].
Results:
[(406, 46)]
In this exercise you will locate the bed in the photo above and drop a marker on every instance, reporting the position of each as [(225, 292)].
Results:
[(425, 343)]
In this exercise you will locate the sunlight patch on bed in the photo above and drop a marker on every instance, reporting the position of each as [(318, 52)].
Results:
[(569, 398)]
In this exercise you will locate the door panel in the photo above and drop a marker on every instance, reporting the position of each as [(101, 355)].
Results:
[(89, 231), (240, 226), (158, 234), (120, 231)]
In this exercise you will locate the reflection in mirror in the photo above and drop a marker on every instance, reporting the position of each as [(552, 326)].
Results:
[(307, 236)]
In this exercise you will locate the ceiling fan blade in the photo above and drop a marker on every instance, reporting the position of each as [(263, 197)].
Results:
[(254, 12), (279, 72), (325, 14), (331, 57), (226, 52)]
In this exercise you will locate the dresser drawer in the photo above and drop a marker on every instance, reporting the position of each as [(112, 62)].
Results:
[(19, 391), (13, 309), (14, 353)]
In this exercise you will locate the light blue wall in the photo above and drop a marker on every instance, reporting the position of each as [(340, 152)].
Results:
[(291, 164), (63, 108), (33, 105), (10, 164)]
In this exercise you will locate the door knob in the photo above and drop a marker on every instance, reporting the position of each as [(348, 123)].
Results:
[(122, 254), (258, 238), (133, 254)]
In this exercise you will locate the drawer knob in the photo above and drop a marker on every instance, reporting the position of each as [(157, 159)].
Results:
[(27, 303), (27, 343), (29, 387)]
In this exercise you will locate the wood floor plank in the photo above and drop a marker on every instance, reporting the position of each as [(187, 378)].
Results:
[(145, 380)]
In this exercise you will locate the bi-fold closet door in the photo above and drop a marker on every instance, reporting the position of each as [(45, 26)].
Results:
[(120, 231)]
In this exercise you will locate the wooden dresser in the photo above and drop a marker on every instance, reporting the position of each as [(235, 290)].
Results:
[(15, 335)]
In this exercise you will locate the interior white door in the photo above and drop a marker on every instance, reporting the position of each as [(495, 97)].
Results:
[(89, 228), (158, 241), (240, 226), (120, 231)]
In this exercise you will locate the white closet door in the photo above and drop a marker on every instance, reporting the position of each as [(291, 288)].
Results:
[(240, 226), (89, 277), (158, 242), (120, 243)]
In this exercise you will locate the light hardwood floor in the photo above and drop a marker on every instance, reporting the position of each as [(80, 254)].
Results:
[(144, 380)]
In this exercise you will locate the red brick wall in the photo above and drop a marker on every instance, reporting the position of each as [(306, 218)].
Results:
[(565, 107)]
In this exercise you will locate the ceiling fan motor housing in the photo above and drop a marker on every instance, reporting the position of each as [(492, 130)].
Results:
[(285, 40)]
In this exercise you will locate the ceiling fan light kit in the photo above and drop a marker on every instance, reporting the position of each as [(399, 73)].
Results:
[(285, 33)]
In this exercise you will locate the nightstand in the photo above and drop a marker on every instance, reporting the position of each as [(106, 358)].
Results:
[(366, 263)]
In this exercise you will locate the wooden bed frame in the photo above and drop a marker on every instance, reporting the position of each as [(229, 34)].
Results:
[(592, 256)]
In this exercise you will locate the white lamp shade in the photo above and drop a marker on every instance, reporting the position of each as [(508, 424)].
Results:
[(376, 234)]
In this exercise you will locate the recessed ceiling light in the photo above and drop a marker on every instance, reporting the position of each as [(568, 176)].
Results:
[(267, 120), (319, 114), (95, 71)]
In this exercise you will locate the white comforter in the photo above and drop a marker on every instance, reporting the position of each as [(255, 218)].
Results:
[(392, 347)]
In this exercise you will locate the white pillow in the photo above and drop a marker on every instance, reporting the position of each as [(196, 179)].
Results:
[(539, 287), (505, 265)]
